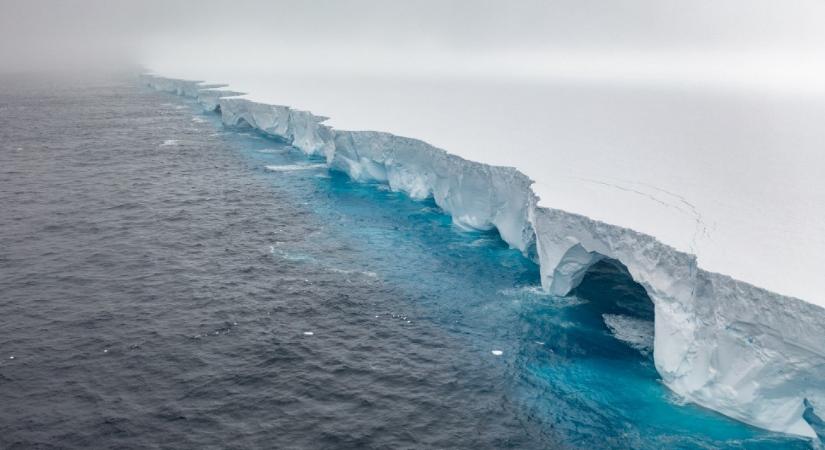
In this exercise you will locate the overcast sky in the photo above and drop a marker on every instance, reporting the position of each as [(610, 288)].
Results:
[(753, 41)]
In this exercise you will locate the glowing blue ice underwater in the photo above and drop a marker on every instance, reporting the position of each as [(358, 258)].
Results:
[(579, 367)]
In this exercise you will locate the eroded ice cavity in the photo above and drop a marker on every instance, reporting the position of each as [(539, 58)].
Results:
[(743, 351)]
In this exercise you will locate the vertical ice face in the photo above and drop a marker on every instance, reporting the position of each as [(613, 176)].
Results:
[(748, 353), (724, 344), (756, 356), (209, 98), (300, 129), (477, 196)]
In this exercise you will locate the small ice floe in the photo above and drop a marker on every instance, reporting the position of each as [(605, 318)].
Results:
[(169, 143), (638, 333), (497, 352), (308, 333), (295, 167)]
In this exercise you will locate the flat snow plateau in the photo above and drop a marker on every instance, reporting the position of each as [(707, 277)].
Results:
[(712, 200), (735, 178)]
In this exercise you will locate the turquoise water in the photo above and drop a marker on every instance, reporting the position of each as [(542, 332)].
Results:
[(161, 288), (560, 363)]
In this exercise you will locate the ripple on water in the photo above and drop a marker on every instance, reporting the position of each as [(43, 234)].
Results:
[(141, 307)]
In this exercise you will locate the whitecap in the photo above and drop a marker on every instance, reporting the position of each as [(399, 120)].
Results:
[(169, 143), (482, 242), (365, 273), (523, 290), (537, 293)]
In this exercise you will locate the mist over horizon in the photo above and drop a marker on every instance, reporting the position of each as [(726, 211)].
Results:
[(760, 45), (459, 224)]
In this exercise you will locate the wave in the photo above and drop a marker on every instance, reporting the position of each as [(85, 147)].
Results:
[(169, 143), (743, 351)]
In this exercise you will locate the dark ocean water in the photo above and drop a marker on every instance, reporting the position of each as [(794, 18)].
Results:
[(160, 287)]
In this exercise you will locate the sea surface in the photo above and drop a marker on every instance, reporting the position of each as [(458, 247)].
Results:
[(166, 282)]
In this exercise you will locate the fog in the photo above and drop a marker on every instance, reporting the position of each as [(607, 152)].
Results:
[(715, 103), (754, 43)]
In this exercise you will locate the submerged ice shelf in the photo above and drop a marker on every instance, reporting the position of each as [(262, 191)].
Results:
[(746, 352)]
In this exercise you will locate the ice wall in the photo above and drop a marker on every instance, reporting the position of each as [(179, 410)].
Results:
[(724, 344), (301, 129), (207, 95)]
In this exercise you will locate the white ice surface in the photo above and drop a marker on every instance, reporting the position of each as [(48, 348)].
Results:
[(638, 333), (746, 352), (735, 178)]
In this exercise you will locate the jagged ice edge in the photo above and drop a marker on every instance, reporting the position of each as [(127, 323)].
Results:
[(727, 345)]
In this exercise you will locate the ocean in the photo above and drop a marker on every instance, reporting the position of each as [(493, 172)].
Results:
[(167, 282)]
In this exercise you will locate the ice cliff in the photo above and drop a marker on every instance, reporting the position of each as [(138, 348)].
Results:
[(745, 352)]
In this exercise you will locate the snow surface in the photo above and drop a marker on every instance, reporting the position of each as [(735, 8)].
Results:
[(686, 191), (733, 178)]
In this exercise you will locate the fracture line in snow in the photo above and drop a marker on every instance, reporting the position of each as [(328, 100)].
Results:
[(700, 229)]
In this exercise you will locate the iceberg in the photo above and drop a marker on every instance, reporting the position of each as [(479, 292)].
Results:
[(209, 98), (207, 95), (749, 353), (301, 129)]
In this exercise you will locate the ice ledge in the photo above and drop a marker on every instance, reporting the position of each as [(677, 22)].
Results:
[(745, 352)]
